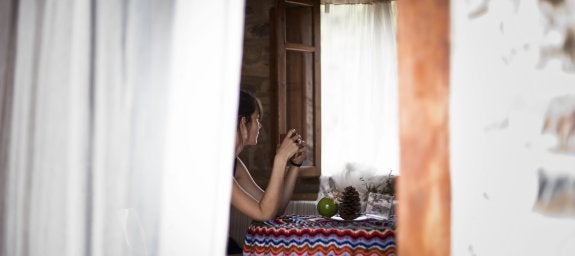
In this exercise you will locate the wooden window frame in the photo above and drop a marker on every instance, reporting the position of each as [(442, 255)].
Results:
[(280, 48)]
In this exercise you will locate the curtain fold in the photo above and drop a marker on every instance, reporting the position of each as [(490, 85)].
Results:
[(118, 126), (359, 88), (7, 41)]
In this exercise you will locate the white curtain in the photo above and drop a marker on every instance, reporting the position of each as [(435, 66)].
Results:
[(117, 125), (359, 88)]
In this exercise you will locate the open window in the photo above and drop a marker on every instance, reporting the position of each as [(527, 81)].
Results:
[(295, 75)]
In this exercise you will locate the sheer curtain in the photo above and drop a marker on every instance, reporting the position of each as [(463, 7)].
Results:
[(359, 88), (117, 125)]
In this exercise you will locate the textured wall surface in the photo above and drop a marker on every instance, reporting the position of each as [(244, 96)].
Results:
[(256, 78), (512, 157)]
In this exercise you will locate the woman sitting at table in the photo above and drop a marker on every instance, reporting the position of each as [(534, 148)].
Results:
[(247, 196)]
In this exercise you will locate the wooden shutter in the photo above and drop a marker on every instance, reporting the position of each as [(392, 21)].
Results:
[(295, 74)]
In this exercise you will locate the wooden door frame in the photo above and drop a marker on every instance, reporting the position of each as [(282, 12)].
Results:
[(424, 192)]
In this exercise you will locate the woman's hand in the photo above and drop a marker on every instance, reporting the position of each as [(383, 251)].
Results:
[(300, 155), (290, 145)]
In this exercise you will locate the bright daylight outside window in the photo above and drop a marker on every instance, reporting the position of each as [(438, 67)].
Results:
[(359, 88)]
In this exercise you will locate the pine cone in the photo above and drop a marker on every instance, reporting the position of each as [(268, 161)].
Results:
[(350, 206)]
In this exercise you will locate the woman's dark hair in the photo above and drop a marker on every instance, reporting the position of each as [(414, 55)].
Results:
[(248, 105)]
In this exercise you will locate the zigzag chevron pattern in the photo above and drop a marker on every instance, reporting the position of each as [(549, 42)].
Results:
[(313, 235)]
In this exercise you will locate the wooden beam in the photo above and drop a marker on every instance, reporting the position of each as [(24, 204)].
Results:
[(424, 193)]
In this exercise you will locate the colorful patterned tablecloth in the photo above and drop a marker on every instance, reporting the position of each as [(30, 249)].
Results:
[(316, 235)]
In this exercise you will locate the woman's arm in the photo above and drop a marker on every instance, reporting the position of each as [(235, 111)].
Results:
[(256, 204), (248, 198), (289, 185), (292, 174)]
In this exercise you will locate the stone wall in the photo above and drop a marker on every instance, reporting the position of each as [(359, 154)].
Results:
[(256, 78)]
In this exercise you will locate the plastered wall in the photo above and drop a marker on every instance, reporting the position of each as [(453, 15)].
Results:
[(512, 127)]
